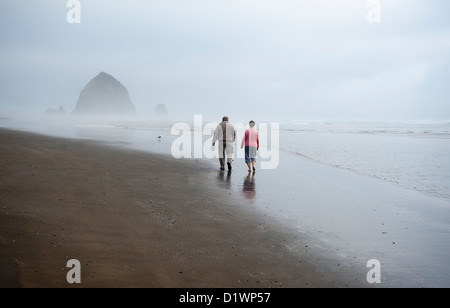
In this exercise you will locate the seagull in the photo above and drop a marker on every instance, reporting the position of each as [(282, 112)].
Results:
[(160, 137)]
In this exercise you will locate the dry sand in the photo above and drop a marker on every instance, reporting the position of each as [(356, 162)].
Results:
[(133, 219)]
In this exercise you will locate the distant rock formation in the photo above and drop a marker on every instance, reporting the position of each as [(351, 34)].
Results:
[(104, 95), (161, 111), (59, 111)]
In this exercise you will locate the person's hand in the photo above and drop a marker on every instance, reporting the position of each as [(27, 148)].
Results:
[(214, 143)]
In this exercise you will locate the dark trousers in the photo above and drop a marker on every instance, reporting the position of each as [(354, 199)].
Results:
[(226, 149)]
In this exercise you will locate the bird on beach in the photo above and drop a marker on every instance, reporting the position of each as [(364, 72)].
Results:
[(159, 137)]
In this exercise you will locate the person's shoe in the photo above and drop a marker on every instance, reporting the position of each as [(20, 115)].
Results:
[(229, 166), (222, 168)]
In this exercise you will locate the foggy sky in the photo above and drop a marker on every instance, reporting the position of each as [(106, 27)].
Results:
[(296, 59)]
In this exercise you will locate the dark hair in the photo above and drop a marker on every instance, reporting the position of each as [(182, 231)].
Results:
[(225, 118)]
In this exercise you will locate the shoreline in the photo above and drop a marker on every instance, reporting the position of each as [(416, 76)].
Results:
[(133, 219)]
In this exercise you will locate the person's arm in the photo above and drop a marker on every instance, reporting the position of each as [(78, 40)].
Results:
[(216, 136), (244, 139), (257, 136)]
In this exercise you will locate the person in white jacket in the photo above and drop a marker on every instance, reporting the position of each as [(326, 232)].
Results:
[(225, 133)]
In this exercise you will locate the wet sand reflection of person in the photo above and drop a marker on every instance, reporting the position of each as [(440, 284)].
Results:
[(249, 189), (226, 180)]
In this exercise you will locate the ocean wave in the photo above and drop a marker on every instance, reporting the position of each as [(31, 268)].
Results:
[(409, 157), (443, 192)]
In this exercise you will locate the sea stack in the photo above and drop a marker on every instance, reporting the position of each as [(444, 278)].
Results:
[(104, 95), (59, 111), (161, 111)]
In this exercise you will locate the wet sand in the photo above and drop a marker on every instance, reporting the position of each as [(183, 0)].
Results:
[(345, 219), (132, 219)]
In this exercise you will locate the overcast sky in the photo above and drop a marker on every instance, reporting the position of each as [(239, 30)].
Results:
[(297, 59)]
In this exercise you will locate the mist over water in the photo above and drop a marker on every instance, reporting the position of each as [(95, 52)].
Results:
[(411, 154)]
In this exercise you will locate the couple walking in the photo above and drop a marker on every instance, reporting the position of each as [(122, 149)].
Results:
[(225, 133)]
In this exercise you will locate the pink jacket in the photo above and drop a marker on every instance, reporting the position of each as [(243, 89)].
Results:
[(251, 138)]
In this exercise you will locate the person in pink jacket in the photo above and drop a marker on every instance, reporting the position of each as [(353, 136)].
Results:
[(251, 143)]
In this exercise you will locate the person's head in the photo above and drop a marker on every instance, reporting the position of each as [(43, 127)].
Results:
[(225, 119), (252, 123)]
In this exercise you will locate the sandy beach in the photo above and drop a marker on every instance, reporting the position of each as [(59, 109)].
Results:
[(132, 219), (108, 116)]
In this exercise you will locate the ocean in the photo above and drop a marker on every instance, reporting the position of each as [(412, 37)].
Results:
[(413, 155)]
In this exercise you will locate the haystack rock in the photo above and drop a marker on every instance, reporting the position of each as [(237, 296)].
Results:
[(161, 111), (104, 95)]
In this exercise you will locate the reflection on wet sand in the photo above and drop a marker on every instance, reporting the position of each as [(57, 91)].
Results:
[(225, 179), (249, 189)]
